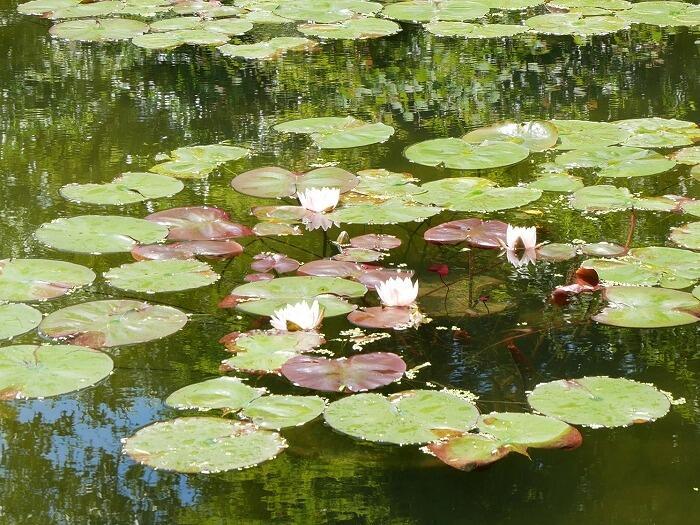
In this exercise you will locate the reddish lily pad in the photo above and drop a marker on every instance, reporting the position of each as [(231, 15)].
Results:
[(375, 241), (198, 223), (382, 317), (274, 182), (224, 249), (477, 233), (278, 262), (358, 373)]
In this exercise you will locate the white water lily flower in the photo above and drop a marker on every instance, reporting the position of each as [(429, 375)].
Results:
[(528, 256), (518, 238), (397, 291), (319, 200), (299, 316)]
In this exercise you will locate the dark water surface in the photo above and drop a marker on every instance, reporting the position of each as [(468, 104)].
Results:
[(73, 112)]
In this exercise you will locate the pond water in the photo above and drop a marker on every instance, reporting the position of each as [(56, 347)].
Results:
[(73, 112)]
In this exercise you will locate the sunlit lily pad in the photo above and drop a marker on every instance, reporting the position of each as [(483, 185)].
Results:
[(475, 232), (603, 249), (617, 161), (604, 198), (384, 184), (427, 10), (36, 371), (272, 48), (467, 30), (17, 318), (599, 401), (99, 233), (276, 412), (382, 317), (583, 6), (576, 134), (459, 154), (409, 417), (689, 155), (226, 26), (353, 29), (126, 189), (644, 307), (557, 182), (263, 298), (338, 132), (475, 194), (40, 279), (658, 132), (112, 323), (170, 40), (197, 162), (204, 8), (362, 255), (39, 7), (687, 235), (167, 275), (222, 249), (375, 241), (278, 262), (325, 11), (392, 211), (97, 30), (556, 252), (535, 135), (198, 223), (274, 182), (575, 24), (663, 14), (203, 445), (468, 451), (228, 393), (454, 300), (141, 8), (275, 229)]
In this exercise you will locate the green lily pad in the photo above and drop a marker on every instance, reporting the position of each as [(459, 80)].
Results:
[(272, 48), (468, 451), (576, 134), (325, 11), (383, 184), (535, 135), (475, 194), (126, 189), (557, 182), (687, 235), (204, 8), (353, 29), (599, 401), (511, 5), (605, 198), (37, 371), (228, 393), (556, 252), (616, 161), (459, 154), (575, 24), (170, 40), (211, 153), (17, 318), (664, 14), (467, 30), (338, 132), (40, 279), (689, 155), (167, 275), (409, 417), (274, 182), (264, 297), (113, 322), (644, 307), (39, 7), (99, 233), (142, 8), (453, 301), (392, 211), (275, 412), (203, 445), (98, 30), (427, 10), (692, 207), (584, 5), (226, 26)]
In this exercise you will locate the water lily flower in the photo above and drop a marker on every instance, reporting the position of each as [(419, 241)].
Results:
[(397, 291), (518, 238), (528, 256), (299, 316), (319, 200)]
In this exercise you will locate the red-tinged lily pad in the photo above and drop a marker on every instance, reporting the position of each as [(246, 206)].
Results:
[(199, 223), (358, 373), (373, 275), (468, 451), (331, 268), (475, 232), (277, 262), (586, 280), (40, 279), (225, 249), (274, 182), (375, 241), (394, 317)]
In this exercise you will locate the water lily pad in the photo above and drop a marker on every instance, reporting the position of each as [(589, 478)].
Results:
[(605, 197), (17, 318), (263, 298), (467, 30), (98, 30), (338, 132), (557, 182), (265, 352), (575, 24), (142, 8), (198, 223), (228, 393), (603, 249), (40, 279), (392, 211), (375, 241), (687, 235), (112, 323), (275, 229), (459, 154), (225, 249), (689, 155), (427, 10), (381, 317), (274, 182), (39, 7), (556, 252), (457, 301), (511, 5), (664, 14), (272, 48), (226, 26), (644, 307), (325, 11), (37, 371), (576, 134), (475, 232), (362, 255), (383, 184), (203, 445), (599, 401), (170, 40), (167, 275), (353, 29), (617, 161), (126, 189), (275, 412), (99, 233), (358, 373), (278, 262), (468, 451), (197, 162), (204, 8), (409, 417), (535, 135), (475, 194)]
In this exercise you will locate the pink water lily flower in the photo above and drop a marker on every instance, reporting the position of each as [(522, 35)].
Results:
[(299, 316), (397, 291), (319, 200)]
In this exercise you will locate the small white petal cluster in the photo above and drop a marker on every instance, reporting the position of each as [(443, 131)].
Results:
[(397, 291), (319, 200), (299, 316), (520, 245)]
